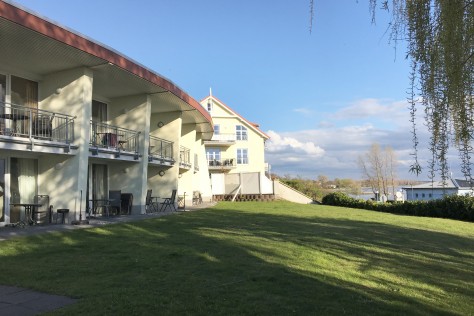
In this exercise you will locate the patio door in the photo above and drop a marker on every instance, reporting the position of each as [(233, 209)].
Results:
[(23, 184), (2, 190), (98, 182)]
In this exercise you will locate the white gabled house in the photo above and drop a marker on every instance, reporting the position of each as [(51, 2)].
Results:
[(236, 152)]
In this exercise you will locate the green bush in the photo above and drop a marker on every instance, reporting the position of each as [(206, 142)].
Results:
[(451, 206)]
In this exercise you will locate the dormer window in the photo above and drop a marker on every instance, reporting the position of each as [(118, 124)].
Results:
[(241, 132)]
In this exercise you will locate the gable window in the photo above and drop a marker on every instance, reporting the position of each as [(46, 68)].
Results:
[(241, 132), (217, 129), (242, 156), (209, 106)]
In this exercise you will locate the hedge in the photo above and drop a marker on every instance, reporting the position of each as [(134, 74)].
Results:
[(451, 206)]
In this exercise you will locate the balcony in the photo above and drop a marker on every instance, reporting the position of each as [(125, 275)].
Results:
[(221, 140), (25, 128), (110, 141), (184, 158), (160, 151), (221, 164)]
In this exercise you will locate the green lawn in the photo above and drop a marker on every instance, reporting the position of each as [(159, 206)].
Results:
[(254, 259)]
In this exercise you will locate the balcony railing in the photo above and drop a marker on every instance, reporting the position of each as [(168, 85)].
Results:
[(160, 149), (114, 138), (221, 163), (22, 121), (184, 157), (223, 138)]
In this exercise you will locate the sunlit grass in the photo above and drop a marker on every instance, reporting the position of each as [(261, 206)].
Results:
[(254, 258)]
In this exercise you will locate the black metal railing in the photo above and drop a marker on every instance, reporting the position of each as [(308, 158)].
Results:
[(160, 149), (229, 163), (184, 156), (21, 121), (113, 138)]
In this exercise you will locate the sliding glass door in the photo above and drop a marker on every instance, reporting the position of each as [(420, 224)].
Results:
[(2, 190), (23, 184)]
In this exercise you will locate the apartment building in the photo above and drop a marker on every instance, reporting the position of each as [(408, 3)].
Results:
[(235, 154), (79, 119)]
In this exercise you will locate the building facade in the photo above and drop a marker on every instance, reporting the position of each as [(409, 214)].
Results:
[(235, 154), (78, 119), (437, 190)]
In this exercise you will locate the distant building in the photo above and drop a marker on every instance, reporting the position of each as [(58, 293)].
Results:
[(437, 190), (236, 153)]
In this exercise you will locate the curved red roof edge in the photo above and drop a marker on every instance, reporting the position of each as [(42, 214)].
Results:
[(49, 29)]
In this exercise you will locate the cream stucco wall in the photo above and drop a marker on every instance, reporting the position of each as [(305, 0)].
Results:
[(131, 112), (63, 177), (171, 131)]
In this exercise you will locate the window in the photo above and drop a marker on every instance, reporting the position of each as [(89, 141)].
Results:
[(416, 195), (99, 111), (217, 129), (213, 155), (24, 92), (242, 156), (430, 195), (422, 195), (209, 105), (241, 132), (3, 88)]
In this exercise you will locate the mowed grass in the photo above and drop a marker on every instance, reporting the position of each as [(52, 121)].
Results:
[(249, 258)]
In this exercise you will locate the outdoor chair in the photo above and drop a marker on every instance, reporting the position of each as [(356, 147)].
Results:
[(151, 203), (43, 126), (115, 202), (42, 214), (169, 202), (197, 199), (127, 202)]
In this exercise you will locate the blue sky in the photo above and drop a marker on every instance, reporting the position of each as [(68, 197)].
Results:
[(324, 96)]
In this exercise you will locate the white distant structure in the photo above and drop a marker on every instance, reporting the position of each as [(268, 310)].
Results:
[(437, 190)]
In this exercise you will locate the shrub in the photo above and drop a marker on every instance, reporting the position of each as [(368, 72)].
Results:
[(451, 206)]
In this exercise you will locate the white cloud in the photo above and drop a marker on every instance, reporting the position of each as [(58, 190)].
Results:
[(304, 111), (288, 145), (333, 150), (395, 113)]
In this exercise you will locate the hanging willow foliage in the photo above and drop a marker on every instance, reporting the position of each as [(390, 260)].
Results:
[(440, 36)]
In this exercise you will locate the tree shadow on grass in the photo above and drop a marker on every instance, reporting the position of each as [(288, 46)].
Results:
[(230, 262)]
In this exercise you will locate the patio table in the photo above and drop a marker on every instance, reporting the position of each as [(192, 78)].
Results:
[(29, 210)]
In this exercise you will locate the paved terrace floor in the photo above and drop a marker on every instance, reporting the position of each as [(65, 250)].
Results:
[(17, 301)]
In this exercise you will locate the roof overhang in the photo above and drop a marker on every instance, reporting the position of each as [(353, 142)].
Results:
[(35, 47)]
